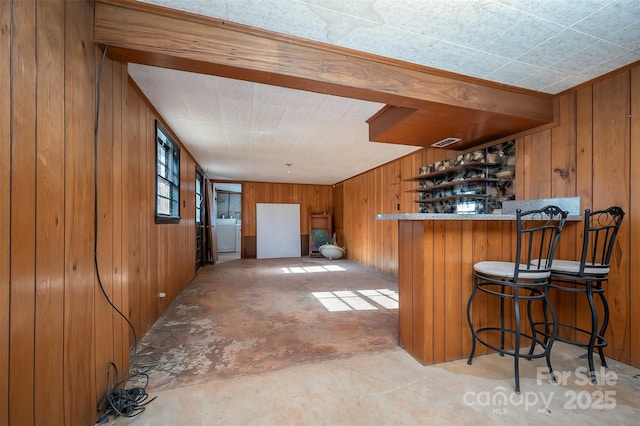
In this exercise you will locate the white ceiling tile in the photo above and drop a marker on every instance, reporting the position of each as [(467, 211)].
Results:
[(283, 16), (446, 56), (614, 63), (257, 127), (628, 37), (418, 16), (481, 64), (200, 106), (615, 15), (409, 47), (562, 85), (598, 52), (482, 24), (470, 24), (542, 79), (514, 72), (360, 8), (339, 25), (557, 48), (268, 95), (563, 12), (217, 8), (530, 33)]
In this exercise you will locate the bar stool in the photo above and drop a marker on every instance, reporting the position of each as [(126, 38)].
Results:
[(537, 236), (587, 276)]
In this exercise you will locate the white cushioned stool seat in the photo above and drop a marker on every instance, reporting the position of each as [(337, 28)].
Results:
[(573, 267), (506, 270)]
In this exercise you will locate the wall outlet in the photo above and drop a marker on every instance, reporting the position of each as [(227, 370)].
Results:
[(162, 295)]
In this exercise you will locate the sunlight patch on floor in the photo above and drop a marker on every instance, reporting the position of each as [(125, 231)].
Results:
[(346, 300), (305, 269)]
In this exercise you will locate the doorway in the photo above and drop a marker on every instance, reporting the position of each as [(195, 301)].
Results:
[(200, 210), (228, 214)]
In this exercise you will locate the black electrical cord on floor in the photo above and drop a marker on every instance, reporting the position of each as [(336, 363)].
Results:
[(116, 400), (123, 402)]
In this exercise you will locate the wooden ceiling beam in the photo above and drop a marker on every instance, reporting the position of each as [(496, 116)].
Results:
[(153, 35)]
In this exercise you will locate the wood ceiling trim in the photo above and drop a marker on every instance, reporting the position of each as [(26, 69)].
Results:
[(153, 35), (407, 126), (388, 118)]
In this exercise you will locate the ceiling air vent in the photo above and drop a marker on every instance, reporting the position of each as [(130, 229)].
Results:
[(445, 142)]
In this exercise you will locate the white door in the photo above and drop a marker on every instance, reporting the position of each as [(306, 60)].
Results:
[(278, 230)]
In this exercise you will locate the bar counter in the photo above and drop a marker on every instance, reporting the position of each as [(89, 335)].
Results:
[(436, 254), (454, 216), (570, 204)]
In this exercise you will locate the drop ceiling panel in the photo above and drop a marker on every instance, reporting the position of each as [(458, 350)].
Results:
[(253, 130), (245, 131)]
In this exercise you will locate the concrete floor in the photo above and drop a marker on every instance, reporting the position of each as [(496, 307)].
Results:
[(248, 343)]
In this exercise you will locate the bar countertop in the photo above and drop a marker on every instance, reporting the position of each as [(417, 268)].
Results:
[(453, 216), (570, 204)]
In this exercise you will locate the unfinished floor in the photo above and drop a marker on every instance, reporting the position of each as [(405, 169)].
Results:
[(308, 341)]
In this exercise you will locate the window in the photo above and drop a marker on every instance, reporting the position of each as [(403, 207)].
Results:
[(167, 178), (199, 198)]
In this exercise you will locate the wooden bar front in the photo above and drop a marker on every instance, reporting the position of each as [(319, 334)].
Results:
[(435, 279)]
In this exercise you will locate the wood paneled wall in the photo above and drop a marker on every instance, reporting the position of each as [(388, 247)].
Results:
[(312, 198), (47, 307), (633, 220), (5, 204), (591, 154), (162, 256), (383, 190), (137, 258), (57, 331)]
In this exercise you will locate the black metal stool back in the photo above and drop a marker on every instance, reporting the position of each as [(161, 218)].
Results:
[(600, 232), (587, 276), (538, 232)]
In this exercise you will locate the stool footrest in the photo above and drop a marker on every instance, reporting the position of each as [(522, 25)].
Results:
[(574, 287), (525, 292), (504, 351), (600, 341)]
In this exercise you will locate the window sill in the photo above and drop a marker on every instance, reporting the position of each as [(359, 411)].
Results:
[(167, 219)]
